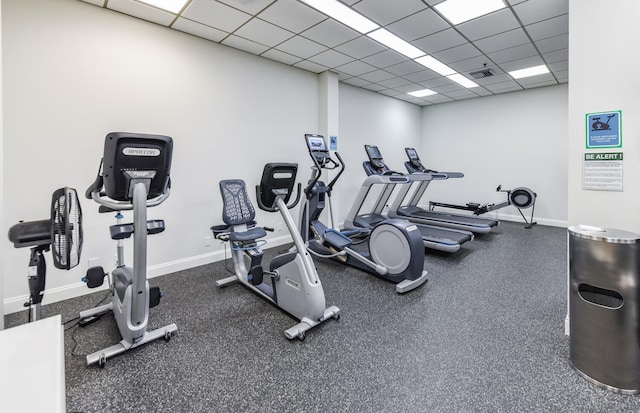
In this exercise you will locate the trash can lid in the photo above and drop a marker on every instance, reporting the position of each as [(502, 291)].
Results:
[(614, 236)]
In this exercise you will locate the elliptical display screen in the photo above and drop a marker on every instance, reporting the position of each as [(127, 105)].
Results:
[(316, 143)]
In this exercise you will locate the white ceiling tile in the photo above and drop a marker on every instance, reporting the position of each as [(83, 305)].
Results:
[(433, 2), (535, 80), (521, 63), (394, 82), (552, 44), (439, 99), (292, 15), (537, 10), (96, 2), (462, 94), (361, 47), (299, 46), (262, 32), (200, 30), (508, 89), (501, 41), (142, 11), (377, 76), (410, 87), (439, 41), (405, 68), (385, 59), (559, 66), (422, 76), (390, 92), (216, 15), (437, 82), (562, 75), (355, 68), (384, 12), (514, 2), (481, 91), (455, 54), (331, 58), (330, 33), (549, 28), (248, 6), (513, 53), (355, 81), (470, 65), (281, 57), (244, 44), (350, 2), (418, 25), (450, 87), (557, 56), (497, 78), (311, 67), (374, 86), (509, 84), (489, 25)]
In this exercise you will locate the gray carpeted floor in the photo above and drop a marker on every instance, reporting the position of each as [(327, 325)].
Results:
[(485, 334)]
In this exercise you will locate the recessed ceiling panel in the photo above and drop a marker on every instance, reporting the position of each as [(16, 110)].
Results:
[(299, 46), (292, 15), (504, 40), (262, 32), (361, 47), (216, 15), (549, 28), (489, 25), (440, 41), (330, 33), (418, 25), (384, 12), (533, 11), (248, 6), (200, 30)]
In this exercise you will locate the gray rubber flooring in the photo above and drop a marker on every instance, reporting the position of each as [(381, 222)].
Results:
[(485, 334)]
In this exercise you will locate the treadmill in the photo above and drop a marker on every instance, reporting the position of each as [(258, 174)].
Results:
[(412, 212), (433, 237)]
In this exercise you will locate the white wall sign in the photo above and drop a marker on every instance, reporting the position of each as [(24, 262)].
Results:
[(602, 171)]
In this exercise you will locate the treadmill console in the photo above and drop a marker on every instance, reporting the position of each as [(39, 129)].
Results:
[(414, 159), (375, 165)]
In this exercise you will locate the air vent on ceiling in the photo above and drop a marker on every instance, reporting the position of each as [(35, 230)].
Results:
[(480, 74)]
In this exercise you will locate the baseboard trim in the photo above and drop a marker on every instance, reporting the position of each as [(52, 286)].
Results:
[(53, 295)]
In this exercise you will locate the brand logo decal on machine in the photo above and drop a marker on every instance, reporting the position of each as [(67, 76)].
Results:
[(141, 151)]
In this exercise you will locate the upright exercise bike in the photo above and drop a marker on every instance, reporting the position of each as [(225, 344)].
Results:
[(135, 176), (293, 283), (396, 251)]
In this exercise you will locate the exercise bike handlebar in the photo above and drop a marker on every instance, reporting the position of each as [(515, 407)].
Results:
[(102, 199), (272, 208)]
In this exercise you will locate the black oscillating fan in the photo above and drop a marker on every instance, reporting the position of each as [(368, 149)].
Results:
[(62, 233)]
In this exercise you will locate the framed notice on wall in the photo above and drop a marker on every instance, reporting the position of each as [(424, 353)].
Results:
[(604, 129), (602, 171)]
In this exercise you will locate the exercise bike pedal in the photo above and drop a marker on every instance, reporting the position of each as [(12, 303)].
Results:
[(89, 320), (256, 275), (94, 277), (154, 296)]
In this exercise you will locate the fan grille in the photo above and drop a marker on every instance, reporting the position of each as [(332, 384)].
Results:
[(66, 228)]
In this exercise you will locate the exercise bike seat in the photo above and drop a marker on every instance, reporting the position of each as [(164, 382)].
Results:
[(248, 235)]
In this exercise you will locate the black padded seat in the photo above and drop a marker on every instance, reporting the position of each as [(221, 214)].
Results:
[(249, 235)]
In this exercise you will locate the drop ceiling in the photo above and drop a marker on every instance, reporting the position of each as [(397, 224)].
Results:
[(526, 33)]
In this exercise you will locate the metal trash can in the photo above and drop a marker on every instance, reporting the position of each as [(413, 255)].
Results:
[(604, 312)]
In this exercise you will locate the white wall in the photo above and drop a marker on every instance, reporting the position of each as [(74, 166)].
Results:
[(1, 180), (371, 118), (74, 72), (514, 139), (611, 83)]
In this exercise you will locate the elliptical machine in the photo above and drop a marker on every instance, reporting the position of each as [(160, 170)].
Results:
[(135, 176), (294, 283), (396, 251)]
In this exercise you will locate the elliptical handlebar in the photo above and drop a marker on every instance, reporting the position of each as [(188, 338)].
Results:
[(319, 168), (102, 199)]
